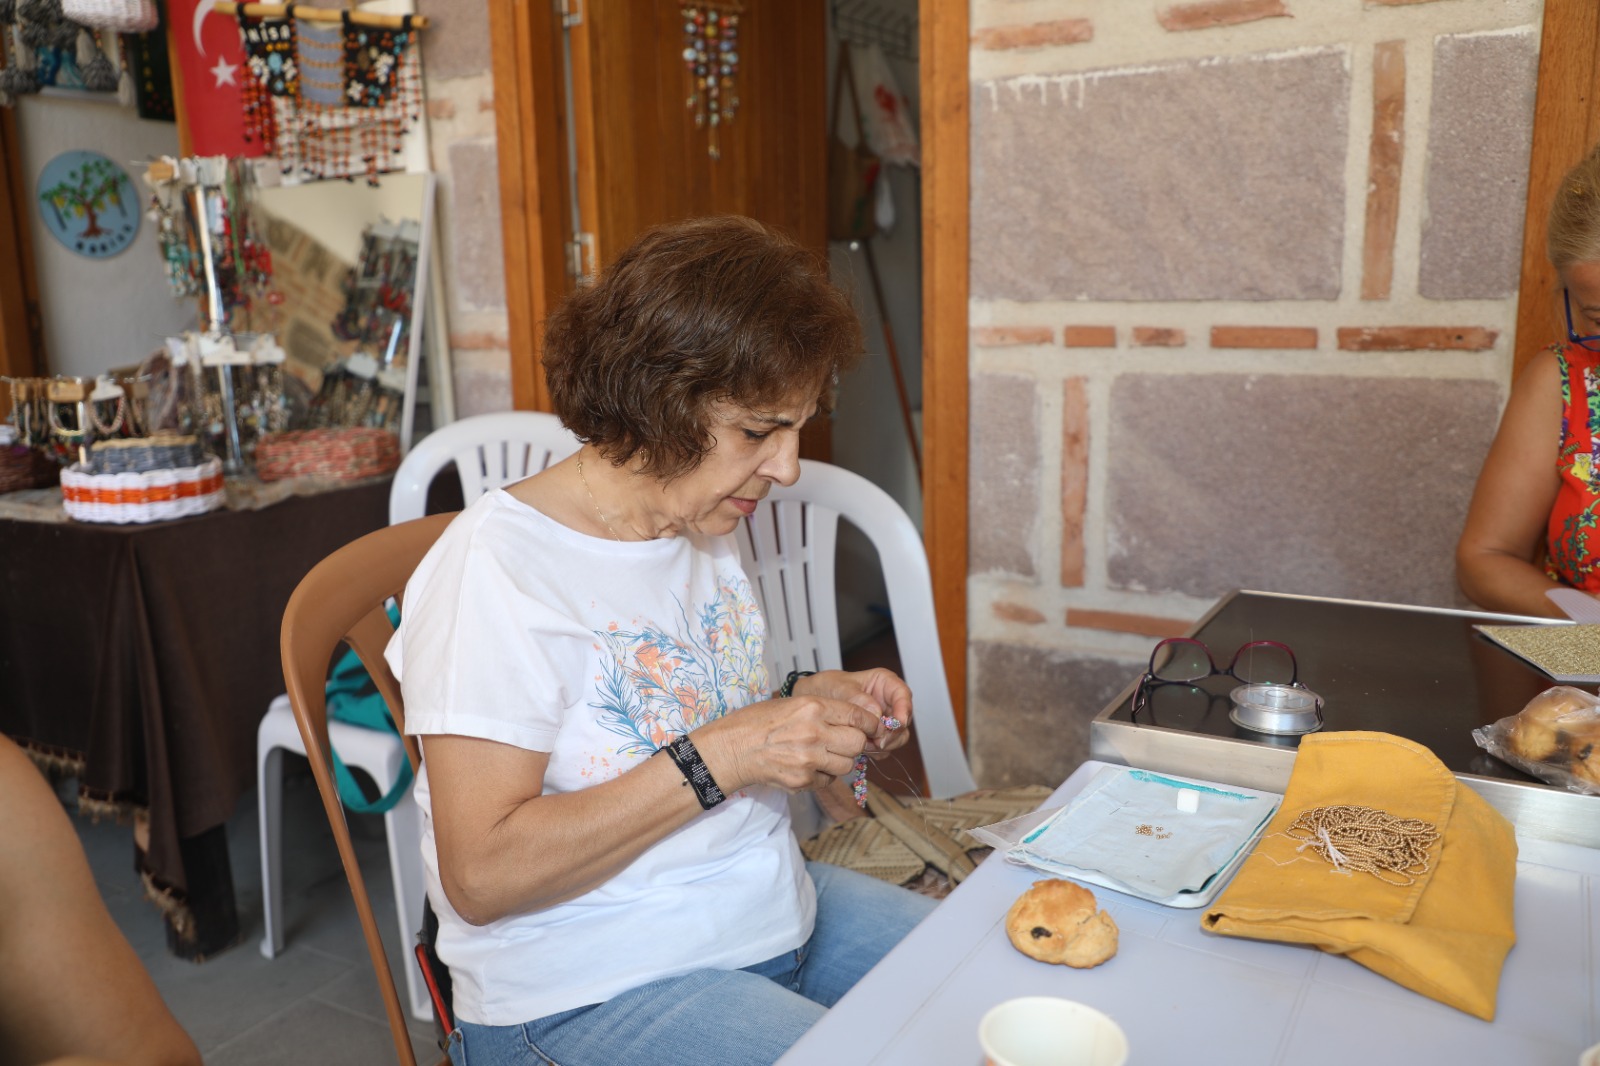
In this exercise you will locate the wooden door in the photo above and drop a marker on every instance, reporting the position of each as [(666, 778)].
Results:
[(21, 329), (1566, 126), (632, 155), (640, 159)]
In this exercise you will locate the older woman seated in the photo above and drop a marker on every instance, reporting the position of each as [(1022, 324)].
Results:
[(606, 769)]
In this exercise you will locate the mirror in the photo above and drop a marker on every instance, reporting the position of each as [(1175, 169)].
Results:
[(351, 267)]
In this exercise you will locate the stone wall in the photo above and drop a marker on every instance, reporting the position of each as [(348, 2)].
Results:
[(460, 92), (1244, 279)]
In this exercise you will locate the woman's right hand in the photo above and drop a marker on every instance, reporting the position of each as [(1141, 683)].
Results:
[(799, 744)]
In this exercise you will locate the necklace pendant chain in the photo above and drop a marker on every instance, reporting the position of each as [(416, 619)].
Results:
[(609, 528)]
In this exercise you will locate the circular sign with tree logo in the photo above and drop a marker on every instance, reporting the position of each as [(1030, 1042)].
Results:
[(89, 203)]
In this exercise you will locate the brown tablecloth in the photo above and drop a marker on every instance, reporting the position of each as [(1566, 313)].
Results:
[(142, 657)]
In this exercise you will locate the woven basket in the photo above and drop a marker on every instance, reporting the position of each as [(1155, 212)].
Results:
[(333, 454), (121, 16), (151, 496), (26, 468)]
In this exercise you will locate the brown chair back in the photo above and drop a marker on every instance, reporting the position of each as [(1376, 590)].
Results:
[(342, 601)]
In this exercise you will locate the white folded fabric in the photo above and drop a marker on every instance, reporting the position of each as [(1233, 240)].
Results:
[(1132, 827)]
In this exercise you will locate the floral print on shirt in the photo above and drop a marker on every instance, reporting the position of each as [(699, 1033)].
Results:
[(1573, 537), (655, 685)]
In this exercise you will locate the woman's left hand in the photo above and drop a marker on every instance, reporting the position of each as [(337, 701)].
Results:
[(877, 690)]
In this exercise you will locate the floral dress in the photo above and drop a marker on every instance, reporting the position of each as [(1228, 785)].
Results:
[(1573, 538)]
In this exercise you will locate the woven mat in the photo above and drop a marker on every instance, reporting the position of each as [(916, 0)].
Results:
[(865, 845)]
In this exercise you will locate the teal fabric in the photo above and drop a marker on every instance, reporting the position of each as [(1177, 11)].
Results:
[(353, 698)]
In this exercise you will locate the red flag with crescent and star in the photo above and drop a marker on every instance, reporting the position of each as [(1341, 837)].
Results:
[(211, 57)]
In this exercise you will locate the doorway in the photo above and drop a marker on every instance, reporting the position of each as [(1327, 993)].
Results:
[(540, 241)]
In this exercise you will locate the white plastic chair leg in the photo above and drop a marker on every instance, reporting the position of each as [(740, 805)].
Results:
[(270, 745), (269, 813), (380, 755), (404, 825)]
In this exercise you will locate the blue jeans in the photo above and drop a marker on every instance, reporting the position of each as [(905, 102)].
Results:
[(718, 1017)]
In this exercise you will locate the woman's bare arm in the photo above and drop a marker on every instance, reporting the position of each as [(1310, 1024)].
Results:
[(1501, 547), (506, 848), (71, 986)]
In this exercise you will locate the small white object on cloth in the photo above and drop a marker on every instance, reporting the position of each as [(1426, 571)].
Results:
[(1188, 800), (1126, 828)]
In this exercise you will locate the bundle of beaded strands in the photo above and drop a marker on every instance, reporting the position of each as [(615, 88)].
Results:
[(1367, 840)]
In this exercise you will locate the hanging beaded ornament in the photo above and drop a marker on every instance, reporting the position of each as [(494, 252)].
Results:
[(272, 71), (711, 61), (360, 93), (379, 78), (172, 234)]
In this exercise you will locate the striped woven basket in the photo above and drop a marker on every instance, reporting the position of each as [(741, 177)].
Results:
[(332, 454)]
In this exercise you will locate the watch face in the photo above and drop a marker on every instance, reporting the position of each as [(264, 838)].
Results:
[(88, 203)]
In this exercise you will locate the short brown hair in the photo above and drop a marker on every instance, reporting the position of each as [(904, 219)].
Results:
[(694, 313), (1573, 233)]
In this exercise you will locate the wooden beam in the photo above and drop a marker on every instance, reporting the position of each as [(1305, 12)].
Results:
[(1566, 125), (535, 223), (320, 14), (945, 249)]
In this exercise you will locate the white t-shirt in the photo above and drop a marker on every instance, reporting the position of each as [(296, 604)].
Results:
[(518, 629)]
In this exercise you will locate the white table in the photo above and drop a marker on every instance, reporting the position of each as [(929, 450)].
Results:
[(1188, 997)]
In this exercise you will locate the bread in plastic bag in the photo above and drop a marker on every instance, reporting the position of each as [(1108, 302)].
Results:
[(1556, 738)]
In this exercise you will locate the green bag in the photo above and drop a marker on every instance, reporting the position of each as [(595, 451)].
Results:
[(353, 699)]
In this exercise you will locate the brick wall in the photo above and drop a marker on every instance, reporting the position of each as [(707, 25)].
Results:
[(460, 91), (1244, 280)]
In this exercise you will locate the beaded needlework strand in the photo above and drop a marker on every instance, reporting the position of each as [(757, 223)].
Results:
[(1363, 839)]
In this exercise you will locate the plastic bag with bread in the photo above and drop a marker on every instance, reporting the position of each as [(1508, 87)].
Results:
[(1556, 738)]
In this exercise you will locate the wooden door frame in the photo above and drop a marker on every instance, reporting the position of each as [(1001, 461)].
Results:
[(530, 117), (946, 252), (1566, 125), (530, 128), (21, 328)]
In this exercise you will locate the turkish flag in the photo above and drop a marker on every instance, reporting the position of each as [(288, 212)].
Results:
[(211, 57)]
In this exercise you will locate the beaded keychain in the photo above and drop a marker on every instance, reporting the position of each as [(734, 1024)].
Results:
[(859, 786)]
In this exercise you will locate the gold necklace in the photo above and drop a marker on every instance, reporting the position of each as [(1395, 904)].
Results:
[(596, 502)]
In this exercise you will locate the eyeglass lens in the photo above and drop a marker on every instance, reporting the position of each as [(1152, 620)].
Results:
[(1259, 662), (1264, 663), (1181, 659)]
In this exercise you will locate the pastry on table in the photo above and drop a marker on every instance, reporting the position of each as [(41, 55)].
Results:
[(1584, 747), (1057, 921), (1539, 729)]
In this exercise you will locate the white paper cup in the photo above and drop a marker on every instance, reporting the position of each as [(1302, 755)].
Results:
[(1046, 1031)]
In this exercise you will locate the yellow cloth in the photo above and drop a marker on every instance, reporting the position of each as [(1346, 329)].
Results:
[(1446, 936)]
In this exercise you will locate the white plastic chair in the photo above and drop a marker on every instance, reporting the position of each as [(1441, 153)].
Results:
[(788, 549), (488, 451)]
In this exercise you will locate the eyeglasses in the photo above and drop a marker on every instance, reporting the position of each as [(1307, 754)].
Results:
[(1184, 660), (1592, 342)]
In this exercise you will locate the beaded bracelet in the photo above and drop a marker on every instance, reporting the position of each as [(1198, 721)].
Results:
[(696, 774), (787, 689)]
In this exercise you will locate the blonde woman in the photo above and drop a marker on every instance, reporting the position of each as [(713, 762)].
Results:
[(1534, 522)]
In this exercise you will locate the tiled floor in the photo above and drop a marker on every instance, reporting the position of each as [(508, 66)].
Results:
[(318, 1000)]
